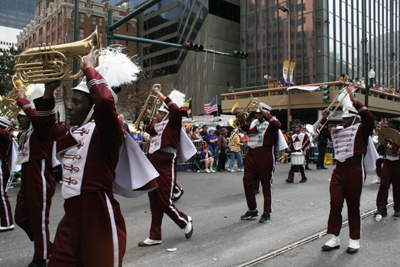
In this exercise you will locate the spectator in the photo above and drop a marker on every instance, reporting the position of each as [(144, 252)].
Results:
[(222, 149), (235, 152), (322, 144), (218, 131), (204, 132), (212, 140), (196, 134), (357, 82), (188, 132), (244, 139), (122, 118), (342, 78), (207, 157), (362, 84)]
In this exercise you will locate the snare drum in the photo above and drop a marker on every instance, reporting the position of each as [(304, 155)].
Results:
[(297, 158)]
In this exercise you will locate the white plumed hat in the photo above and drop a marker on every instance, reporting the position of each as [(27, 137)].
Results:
[(177, 97), (265, 107)]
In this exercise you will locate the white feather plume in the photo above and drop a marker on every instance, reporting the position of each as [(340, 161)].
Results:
[(35, 91), (177, 97), (344, 98), (116, 67)]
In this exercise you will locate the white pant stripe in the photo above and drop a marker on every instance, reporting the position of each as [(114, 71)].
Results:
[(172, 190), (44, 210), (2, 192)]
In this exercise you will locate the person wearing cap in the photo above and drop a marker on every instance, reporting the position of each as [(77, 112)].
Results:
[(390, 173), (6, 218), (300, 143), (235, 152), (92, 231), (263, 133), (165, 140), (221, 143), (212, 140), (351, 142), (208, 159)]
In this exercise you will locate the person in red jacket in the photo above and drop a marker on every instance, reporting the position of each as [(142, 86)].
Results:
[(165, 137), (38, 184), (6, 217)]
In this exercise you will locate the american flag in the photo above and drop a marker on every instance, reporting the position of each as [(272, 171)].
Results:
[(212, 106)]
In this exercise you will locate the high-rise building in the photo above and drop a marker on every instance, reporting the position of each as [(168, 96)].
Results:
[(327, 39), (17, 14)]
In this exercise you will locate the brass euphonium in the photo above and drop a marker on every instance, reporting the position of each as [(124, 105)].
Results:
[(50, 63), (8, 104), (135, 127)]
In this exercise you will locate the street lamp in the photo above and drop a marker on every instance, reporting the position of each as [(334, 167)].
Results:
[(286, 9), (371, 76)]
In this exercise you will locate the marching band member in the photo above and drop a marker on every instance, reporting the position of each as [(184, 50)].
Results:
[(390, 174), (166, 134), (300, 143), (6, 137), (263, 135), (304, 130), (352, 142), (89, 153), (37, 181)]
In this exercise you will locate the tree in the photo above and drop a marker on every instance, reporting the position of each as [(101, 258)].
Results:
[(7, 71)]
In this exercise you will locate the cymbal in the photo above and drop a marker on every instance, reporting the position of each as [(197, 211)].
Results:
[(392, 135)]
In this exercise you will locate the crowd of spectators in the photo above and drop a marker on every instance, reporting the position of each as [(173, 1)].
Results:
[(375, 86)]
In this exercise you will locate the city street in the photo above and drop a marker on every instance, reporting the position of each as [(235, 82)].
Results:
[(215, 202)]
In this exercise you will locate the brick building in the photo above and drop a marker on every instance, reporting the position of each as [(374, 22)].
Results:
[(54, 24)]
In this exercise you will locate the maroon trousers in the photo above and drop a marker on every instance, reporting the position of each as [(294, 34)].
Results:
[(33, 204), (91, 233), (5, 207), (346, 184), (390, 175), (161, 198), (379, 163), (291, 172), (260, 166)]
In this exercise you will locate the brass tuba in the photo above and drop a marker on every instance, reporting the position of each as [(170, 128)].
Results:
[(8, 104), (242, 117), (135, 127), (50, 63)]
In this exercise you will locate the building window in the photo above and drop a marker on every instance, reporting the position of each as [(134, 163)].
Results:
[(127, 27), (48, 26), (80, 33), (101, 37), (94, 20), (100, 21), (81, 17)]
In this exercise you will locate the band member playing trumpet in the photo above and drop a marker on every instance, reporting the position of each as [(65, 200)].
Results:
[(6, 217), (263, 135), (351, 141), (165, 138), (300, 143), (390, 173)]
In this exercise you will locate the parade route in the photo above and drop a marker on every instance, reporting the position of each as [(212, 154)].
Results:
[(216, 202)]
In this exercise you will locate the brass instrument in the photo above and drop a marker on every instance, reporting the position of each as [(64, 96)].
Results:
[(135, 127), (390, 135), (314, 129), (8, 104), (241, 119), (50, 63)]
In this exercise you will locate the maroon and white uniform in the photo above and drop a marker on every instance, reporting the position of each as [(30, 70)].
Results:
[(5, 155), (349, 175), (37, 184), (300, 142), (92, 231), (260, 160), (390, 175), (165, 137)]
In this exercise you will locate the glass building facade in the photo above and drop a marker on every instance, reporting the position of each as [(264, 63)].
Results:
[(17, 14), (327, 39)]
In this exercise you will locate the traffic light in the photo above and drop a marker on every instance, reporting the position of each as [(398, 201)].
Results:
[(325, 93), (195, 47), (240, 54)]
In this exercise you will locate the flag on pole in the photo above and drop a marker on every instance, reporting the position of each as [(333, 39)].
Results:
[(212, 106), (189, 113), (186, 106), (235, 108)]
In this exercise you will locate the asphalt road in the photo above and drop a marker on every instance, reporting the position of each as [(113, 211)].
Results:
[(216, 202)]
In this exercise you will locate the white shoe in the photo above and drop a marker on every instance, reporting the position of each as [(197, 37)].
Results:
[(333, 243), (240, 170), (207, 170), (230, 170), (354, 246), (189, 228), (6, 228), (212, 170), (149, 242), (376, 179)]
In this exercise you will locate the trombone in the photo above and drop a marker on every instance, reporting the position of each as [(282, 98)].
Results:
[(242, 117)]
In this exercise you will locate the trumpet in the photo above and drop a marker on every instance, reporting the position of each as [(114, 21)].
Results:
[(50, 63), (241, 119), (342, 97), (156, 104)]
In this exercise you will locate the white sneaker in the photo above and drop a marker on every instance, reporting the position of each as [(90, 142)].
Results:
[(189, 228), (149, 242), (230, 170), (207, 170), (333, 243), (212, 170), (6, 228), (353, 243), (376, 179), (240, 170)]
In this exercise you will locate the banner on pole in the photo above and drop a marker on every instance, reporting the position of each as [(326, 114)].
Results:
[(285, 71), (291, 72)]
